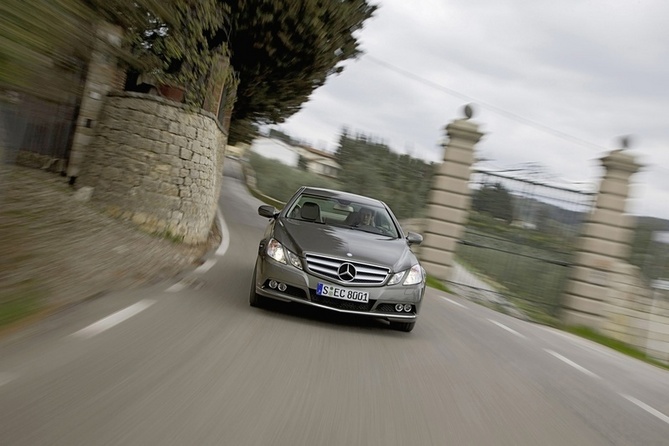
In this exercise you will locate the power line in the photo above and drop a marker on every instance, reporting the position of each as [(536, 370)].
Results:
[(507, 114)]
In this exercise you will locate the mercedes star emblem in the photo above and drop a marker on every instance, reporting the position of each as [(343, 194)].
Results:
[(346, 272)]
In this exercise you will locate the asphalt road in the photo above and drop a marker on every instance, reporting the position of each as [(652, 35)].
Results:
[(190, 363)]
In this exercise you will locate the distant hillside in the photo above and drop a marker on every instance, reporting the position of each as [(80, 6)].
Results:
[(652, 223)]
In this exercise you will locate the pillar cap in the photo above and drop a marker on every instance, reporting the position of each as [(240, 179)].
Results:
[(621, 160)]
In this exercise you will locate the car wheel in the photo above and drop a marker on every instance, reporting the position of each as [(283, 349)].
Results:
[(255, 300), (402, 326)]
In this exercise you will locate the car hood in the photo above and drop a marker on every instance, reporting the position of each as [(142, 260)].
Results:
[(306, 237)]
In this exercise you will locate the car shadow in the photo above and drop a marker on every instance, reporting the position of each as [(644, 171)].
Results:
[(318, 316)]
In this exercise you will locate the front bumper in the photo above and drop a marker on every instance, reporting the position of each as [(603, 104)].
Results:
[(301, 288)]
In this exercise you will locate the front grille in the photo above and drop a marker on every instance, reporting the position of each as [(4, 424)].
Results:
[(341, 304), (386, 308), (328, 267)]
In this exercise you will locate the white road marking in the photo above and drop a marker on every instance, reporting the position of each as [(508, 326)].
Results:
[(646, 407), (6, 378), (581, 342), (209, 263), (114, 319), (225, 235), (454, 302), (176, 287), (510, 330), (206, 266), (572, 363)]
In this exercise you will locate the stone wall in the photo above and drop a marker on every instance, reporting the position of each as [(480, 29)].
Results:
[(158, 164)]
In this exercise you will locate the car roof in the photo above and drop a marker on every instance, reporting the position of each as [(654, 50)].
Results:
[(332, 193)]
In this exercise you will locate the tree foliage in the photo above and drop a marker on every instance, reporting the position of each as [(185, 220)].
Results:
[(370, 168), (494, 200), (181, 49), (281, 181), (44, 45), (284, 49), (37, 40)]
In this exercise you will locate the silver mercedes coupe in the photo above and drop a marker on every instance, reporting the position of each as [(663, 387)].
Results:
[(341, 252)]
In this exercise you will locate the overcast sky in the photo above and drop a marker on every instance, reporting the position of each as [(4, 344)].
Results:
[(552, 82)]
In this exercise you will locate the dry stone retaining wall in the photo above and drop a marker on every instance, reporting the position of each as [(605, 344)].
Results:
[(158, 164)]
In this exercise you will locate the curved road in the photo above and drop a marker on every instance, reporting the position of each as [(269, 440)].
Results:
[(190, 363)]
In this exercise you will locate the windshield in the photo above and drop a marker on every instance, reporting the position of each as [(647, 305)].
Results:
[(349, 214)]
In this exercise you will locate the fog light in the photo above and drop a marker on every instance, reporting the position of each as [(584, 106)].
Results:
[(282, 287), (273, 284), (399, 308), (407, 308)]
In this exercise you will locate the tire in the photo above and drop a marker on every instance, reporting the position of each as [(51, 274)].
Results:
[(255, 300), (402, 326)]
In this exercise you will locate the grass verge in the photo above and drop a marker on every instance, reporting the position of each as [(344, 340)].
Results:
[(626, 349), (19, 302), (433, 282)]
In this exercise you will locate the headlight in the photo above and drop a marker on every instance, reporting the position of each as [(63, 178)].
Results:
[(414, 275), (294, 260), (276, 251), (397, 278)]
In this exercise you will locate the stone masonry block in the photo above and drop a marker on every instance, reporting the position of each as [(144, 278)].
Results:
[(446, 214), (595, 261), (575, 318), (587, 290), (186, 154), (436, 256), (612, 202), (614, 187), (609, 217), (581, 304), (181, 141), (607, 248), (449, 199), (459, 155), (455, 170), (153, 134), (594, 276), (606, 232), (439, 242), (451, 230), (173, 150), (450, 184), (440, 272)]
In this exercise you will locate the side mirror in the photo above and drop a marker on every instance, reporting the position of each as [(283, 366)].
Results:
[(267, 211), (414, 239)]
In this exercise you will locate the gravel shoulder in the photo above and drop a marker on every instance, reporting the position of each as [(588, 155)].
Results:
[(56, 251)]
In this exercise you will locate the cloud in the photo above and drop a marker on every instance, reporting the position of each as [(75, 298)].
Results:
[(554, 82)]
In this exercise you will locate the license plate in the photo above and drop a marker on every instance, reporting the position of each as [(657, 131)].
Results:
[(323, 289)]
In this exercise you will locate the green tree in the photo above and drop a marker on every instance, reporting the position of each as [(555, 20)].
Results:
[(494, 200), (370, 168), (284, 49)]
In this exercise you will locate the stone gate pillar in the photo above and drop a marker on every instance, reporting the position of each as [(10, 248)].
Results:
[(449, 199), (103, 76), (605, 240)]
